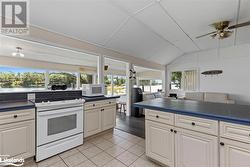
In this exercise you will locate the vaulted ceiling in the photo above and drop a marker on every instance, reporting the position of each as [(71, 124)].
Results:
[(155, 30)]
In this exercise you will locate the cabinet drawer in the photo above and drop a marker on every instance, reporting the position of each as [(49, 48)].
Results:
[(16, 116), (197, 124), (159, 116), (235, 131), (99, 104)]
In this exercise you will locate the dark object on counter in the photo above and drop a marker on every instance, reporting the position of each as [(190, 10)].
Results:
[(137, 96), (173, 95), (58, 87)]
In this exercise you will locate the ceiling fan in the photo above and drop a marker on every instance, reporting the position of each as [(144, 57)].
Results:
[(223, 30)]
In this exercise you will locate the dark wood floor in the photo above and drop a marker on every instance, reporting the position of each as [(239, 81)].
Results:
[(132, 125)]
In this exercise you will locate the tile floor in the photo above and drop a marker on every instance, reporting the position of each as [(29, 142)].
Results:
[(113, 149)]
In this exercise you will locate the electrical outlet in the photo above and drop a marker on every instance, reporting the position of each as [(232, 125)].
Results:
[(31, 96)]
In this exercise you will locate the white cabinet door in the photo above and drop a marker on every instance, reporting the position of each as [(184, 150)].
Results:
[(234, 154), (108, 117), (93, 122), (18, 139), (160, 142), (194, 149)]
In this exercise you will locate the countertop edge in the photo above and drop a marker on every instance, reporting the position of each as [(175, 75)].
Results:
[(195, 114)]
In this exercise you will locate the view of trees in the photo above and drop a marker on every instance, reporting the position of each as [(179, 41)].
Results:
[(86, 78), (28, 78), (176, 80), (119, 84), (21, 80), (62, 78)]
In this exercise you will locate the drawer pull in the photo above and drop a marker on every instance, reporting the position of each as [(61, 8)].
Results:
[(110, 102), (93, 105), (193, 123), (15, 116), (157, 116), (171, 130), (222, 144), (175, 131)]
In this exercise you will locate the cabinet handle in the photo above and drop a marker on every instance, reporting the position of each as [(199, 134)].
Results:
[(157, 116), (110, 102), (102, 109), (222, 144), (94, 105), (15, 116), (193, 123), (171, 130), (175, 131)]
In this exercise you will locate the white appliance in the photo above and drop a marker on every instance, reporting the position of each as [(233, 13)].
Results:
[(59, 127), (93, 90)]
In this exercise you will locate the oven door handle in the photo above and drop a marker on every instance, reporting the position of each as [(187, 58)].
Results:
[(62, 111)]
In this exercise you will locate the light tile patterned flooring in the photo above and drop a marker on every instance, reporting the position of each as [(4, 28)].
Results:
[(113, 149)]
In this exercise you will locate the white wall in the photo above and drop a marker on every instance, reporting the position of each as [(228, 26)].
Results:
[(235, 63)]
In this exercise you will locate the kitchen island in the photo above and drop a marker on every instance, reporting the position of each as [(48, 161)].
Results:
[(193, 134)]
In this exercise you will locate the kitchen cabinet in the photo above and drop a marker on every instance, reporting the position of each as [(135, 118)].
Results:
[(108, 117), (234, 153), (93, 122), (194, 149), (176, 144), (17, 139), (99, 116), (160, 142)]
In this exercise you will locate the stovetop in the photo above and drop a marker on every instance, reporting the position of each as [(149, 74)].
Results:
[(44, 100)]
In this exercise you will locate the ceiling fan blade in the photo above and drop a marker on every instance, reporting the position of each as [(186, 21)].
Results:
[(239, 25), (206, 34)]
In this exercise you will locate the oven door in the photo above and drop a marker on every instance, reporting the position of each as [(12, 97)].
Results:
[(53, 125)]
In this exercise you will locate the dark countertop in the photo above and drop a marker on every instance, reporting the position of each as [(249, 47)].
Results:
[(15, 105), (89, 99), (217, 111)]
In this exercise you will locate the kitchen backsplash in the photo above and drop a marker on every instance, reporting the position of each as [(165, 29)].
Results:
[(41, 95)]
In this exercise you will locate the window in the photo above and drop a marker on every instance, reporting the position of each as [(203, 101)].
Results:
[(12, 77), (156, 85), (186, 80), (144, 85), (86, 79), (153, 85), (66, 78), (119, 85), (176, 78), (190, 80), (107, 81)]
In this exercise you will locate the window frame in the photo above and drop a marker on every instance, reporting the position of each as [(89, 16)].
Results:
[(182, 78)]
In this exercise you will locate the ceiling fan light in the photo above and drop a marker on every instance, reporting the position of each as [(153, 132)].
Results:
[(14, 54), (21, 54)]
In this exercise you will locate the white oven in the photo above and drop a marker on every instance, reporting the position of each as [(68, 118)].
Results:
[(59, 127), (93, 90), (59, 123)]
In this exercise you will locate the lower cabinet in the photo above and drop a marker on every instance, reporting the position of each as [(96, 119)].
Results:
[(194, 149), (234, 153), (98, 119), (108, 117), (160, 142), (93, 122), (18, 139)]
